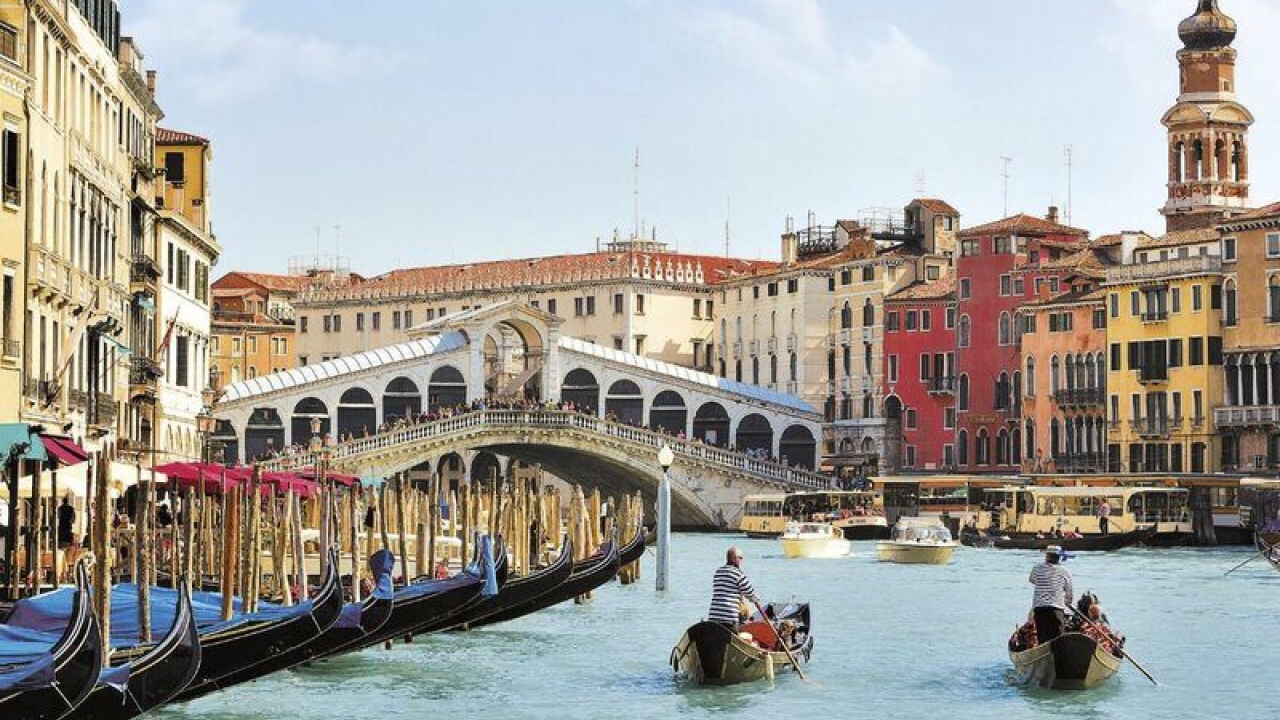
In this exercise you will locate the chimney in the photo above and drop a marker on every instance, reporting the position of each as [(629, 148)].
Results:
[(790, 249), (1053, 214), (151, 82)]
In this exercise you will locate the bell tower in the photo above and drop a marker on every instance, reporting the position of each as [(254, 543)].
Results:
[(1207, 128)]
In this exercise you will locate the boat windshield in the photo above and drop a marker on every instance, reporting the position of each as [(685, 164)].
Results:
[(921, 533)]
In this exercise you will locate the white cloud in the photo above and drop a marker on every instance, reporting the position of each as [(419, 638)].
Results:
[(790, 42), (216, 54)]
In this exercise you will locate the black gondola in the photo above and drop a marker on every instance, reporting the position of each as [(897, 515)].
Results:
[(633, 550), (59, 676), (516, 592), (714, 654), (153, 678), (1071, 661), (588, 574), (356, 621), (1087, 543), (246, 647)]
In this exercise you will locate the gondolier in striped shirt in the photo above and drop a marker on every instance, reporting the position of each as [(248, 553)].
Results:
[(729, 588), (1052, 594)]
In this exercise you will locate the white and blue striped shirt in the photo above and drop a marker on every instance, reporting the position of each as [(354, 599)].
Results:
[(729, 586), (1052, 586)]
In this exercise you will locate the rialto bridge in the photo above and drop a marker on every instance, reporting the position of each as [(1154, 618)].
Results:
[(476, 393)]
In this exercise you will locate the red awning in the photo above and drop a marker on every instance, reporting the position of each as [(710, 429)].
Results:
[(64, 451)]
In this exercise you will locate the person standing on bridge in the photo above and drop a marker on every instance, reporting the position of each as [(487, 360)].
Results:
[(729, 589)]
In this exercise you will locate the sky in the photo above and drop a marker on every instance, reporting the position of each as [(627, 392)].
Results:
[(436, 131)]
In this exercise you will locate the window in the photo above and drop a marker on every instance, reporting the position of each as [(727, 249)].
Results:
[(1229, 249), (337, 323), (1195, 351), (1197, 302), (591, 304), (253, 344), (1005, 331), (932, 272), (12, 151), (911, 420), (772, 289), (868, 273), (376, 320), (174, 167), (302, 360), (892, 363), (891, 321), (617, 305), (1006, 285), (697, 308), (1273, 245), (962, 394), (951, 318), (1134, 309), (868, 313), (962, 339), (1230, 317), (579, 307), (793, 286), (1113, 302), (846, 278), (395, 319), (551, 307), (182, 361), (925, 319), (1003, 246), (911, 319), (1031, 377), (328, 323), (184, 270), (969, 248), (1115, 355), (9, 42), (408, 319), (1099, 319), (964, 288), (302, 323), (949, 418), (359, 322)]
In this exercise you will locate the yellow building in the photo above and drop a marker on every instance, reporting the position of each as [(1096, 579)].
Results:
[(1164, 347), (253, 327), (14, 184)]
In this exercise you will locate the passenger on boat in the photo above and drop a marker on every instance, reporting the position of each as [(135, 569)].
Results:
[(729, 588), (1052, 595)]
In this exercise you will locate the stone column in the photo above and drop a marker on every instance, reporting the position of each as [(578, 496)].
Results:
[(475, 356)]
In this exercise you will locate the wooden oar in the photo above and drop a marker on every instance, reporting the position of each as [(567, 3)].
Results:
[(1107, 633), (782, 643), (1252, 557)]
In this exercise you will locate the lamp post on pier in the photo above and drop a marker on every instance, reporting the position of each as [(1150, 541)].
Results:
[(665, 458)]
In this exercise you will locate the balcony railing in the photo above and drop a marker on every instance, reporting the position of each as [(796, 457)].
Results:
[(1155, 427), (1155, 316), (105, 410), (1080, 462), (945, 385), (144, 371), (1079, 397), (1152, 374), (1165, 268), (1247, 416)]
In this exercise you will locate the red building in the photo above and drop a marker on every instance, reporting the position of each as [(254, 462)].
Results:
[(999, 266), (919, 375)]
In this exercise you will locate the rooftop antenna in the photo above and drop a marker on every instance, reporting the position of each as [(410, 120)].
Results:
[(919, 185), (727, 215), (1004, 173), (1068, 152), (337, 240), (635, 228), (317, 260)]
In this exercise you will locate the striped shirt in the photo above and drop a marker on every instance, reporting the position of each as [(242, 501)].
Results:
[(1052, 586), (729, 586)]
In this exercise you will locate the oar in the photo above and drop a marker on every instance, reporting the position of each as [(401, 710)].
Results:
[(1123, 654), (782, 643), (1252, 557)]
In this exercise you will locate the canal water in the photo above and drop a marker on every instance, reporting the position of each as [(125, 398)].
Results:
[(892, 641)]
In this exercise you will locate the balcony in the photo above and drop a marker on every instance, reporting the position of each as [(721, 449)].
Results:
[(1155, 427), (1248, 416), (1150, 375), (144, 272), (1153, 316), (942, 385), (104, 411), (1078, 462), (1198, 265), (1079, 397)]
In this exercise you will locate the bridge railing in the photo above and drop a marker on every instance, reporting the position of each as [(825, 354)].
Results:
[(477, 419)]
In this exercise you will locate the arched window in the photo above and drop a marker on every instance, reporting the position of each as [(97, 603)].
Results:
[(1031, 377), (1273, 297), (1197, 158), (792, 367), (1055, 437), (1071, 371), (868, 406), (1002, 447), (962, 333), (868, 313), (982, 448), (962, 401), (846, 316), (755, 370), (1006, 331), (1179, 162), (1237, 162), (1055, 375), (1002, 391), (773, 369), (1029, 435), (1015, 447), (962, 448), (1229, 303), (737, 370)]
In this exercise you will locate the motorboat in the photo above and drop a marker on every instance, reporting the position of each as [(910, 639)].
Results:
[(814, 540), (921, 541)]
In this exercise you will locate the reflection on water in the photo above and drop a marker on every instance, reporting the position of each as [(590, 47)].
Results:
[(892, 641)]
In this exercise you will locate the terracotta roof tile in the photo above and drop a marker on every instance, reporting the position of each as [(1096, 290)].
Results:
[(1266, 212), (934, 205), (1087, 260), (1117, 239), (941, 289), (177, 137), (1022, 224), (1180, 237), (269, 281), (1071, 296)]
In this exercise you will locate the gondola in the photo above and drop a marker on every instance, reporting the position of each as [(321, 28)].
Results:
[(714, 654), (1071, 661), (48, 668), (151, 679), (427, 602), (516, 592), (633, 550), (247, 646), (588, 574), (1078, 544), (1268, 547), (357, 620)]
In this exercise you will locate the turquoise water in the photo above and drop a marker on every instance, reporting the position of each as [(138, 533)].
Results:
[(892, 641)]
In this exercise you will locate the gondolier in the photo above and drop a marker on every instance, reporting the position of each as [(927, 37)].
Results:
[(729, 588), (1104, 515), (1053, 594)]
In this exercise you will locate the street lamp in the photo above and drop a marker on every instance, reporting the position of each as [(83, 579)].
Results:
[(205, 421), (665, 458), (315, 433)]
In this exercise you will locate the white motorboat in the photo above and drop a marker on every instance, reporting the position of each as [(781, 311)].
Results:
[(814, 540), (921, 541)]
